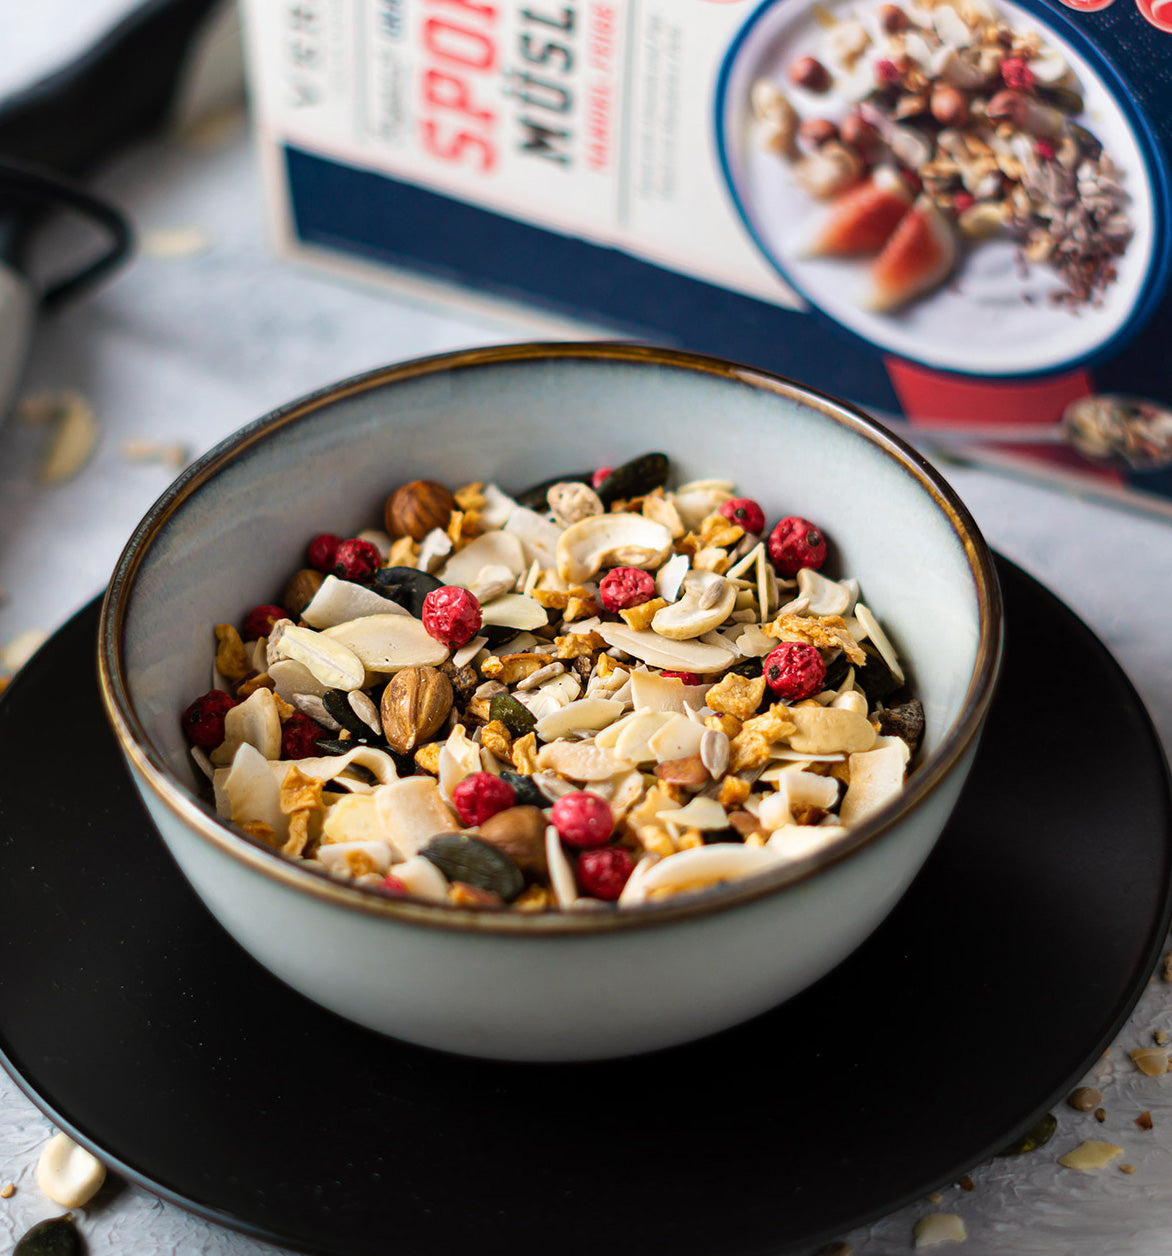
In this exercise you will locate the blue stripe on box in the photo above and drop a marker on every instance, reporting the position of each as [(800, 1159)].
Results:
[(377, 217)]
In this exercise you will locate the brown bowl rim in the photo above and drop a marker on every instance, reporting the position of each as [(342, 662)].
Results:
[(287, 871)]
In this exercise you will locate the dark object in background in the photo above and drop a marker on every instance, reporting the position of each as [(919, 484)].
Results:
[(118, 91)]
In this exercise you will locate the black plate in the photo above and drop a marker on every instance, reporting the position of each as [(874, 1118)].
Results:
[(138, 1025)]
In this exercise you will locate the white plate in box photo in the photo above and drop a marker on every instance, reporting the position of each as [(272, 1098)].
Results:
[(995, 315)]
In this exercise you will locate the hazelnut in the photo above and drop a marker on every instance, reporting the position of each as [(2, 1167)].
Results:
[(518, 832), (857, 132), (949, 107), (892, 18), (415, 509), (810, 73), (815, 132), (299, 591), (1007, 106)]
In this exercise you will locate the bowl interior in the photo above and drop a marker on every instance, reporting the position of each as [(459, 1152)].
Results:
[(229, 534)]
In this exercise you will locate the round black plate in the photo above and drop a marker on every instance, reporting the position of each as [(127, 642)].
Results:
[(138, 1025)]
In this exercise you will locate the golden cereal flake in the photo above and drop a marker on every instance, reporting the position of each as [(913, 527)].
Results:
[(751, 747), (299, 833), (525, 754), (579, 607), (533, 898), (427, 757), (470, 496), (577, 645), (1090, 1155), (497, 739), (736, 695), (640, 617), (261, 831), (262, 680), (604, 666), (404, 552), (232, 659), (729, 725), (299, 792), (827, 632), (733, 792), (510, 668)]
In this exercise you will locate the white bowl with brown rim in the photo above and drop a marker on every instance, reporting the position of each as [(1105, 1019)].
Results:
[(549, 986)]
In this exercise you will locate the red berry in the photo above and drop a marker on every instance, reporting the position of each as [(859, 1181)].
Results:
[(260, 620), (1017, 74), (299, 737), (624, 587), (480, 796), (602, 873), (1044, 150), (451, 615), (962, 200), (582, 819), (794, 670), (395, 887), (356, 560), (322, 549), (745, 512), (887, 72), (689, 678), (600, 475), (203, 721), (796, 543)]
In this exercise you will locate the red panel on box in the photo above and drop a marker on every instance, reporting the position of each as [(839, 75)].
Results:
[(933, 397)]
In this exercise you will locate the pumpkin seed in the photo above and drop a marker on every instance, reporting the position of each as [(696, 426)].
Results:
[(1061, 97), (874, 678), (406, 587), (468, 859), (338, 708), (515, 717), (56, 1237), (634, 478), (535, 498), (332, 745), (1088, 144), (528, 795), (1038, 1135)]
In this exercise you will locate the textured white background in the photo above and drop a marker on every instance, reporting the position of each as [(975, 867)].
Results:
[(189, 348)]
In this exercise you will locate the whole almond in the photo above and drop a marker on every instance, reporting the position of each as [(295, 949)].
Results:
[(518, 832), (414, 705), (415, 509)]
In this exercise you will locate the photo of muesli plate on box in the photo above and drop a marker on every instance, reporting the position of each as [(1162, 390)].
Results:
[(954, 182)]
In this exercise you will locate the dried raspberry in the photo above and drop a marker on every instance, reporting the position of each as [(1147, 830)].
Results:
[(745, 512), (451, 615), (689, 678), (794, 670), (1044, 150), (203, 721), (887, 72), (394, 887), (299, 737), (962, 200), (260, 620), (322, 549), (480, 796), (624, 587), (582, 819), (356, 560), (600, 475), (796, 543), (602, 873), (1017, 74)]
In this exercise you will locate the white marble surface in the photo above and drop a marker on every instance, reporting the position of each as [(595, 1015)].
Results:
[(186, 349)]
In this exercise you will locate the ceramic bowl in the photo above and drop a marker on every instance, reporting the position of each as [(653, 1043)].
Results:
[(555, 986)]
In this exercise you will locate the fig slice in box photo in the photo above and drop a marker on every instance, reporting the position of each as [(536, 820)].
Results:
[(863, 219), (918, 258)]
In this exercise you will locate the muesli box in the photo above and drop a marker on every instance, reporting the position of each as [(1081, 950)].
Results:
[(954, 212)]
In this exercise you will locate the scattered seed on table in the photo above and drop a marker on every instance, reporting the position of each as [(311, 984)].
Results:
[(7, 1190), (1084, 1099), (1100, 1115), (1144, 1120)]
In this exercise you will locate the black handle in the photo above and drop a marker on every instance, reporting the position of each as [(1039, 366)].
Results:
[(26, 193)]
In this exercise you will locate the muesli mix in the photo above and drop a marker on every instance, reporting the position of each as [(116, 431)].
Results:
[(942, 126), (602, 691)]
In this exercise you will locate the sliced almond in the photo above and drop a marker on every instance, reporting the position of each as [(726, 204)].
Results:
[(492, 549), (514, 610), (580, 761), (677, 656), (700, 813), (676, 739), (388, 643), (827, 730), (340, 601), (584, 713), (1090, 1155), (255, 721), (331, 662)]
